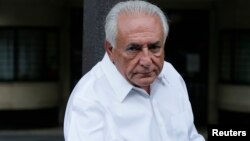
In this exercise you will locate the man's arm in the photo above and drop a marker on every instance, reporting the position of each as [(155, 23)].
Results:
[(84, 121), (193, 134)]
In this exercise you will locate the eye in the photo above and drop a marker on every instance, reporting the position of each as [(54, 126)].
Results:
[(133, 48), (154, 48)]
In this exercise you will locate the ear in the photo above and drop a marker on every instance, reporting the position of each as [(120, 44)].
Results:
[(109, 49)]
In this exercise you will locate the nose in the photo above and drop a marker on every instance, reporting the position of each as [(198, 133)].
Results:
[(145, 58)]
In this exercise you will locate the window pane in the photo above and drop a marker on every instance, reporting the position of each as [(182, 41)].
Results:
[(226, 58), (51, 67), (30, 54), (6, 55), (235, 57), (242, 58)]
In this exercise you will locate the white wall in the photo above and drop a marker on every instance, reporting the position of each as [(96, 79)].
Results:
[(234, 98), (23, 96)]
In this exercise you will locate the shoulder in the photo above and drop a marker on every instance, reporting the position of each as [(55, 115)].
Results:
[(83, 101), (170, 72), (87, 87), (174, 77)]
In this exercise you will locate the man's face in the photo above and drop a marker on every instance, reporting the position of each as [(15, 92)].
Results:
[(139, 51)]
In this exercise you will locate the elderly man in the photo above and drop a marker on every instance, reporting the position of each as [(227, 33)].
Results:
[(132, 94)]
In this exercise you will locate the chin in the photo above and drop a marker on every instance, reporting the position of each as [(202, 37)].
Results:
[(145, 83)]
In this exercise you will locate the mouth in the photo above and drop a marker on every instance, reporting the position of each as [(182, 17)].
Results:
[(146, 74)]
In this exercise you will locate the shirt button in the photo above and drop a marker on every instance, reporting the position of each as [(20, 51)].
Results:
[(153, 102), (161, 125)]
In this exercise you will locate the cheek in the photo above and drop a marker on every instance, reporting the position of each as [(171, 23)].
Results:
[(158, 59), (131, 66), (160, 54), (124, 64)]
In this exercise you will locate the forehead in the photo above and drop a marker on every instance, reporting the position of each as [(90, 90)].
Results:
[(138, 22), (135, 27)]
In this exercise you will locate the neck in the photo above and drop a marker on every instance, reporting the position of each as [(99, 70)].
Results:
[(147, 89)]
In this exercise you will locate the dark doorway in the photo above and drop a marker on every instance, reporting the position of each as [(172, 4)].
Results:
[(76, 37), (187, 49)]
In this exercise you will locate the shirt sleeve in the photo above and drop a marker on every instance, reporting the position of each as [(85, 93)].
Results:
[(85, 122), (193, 134)]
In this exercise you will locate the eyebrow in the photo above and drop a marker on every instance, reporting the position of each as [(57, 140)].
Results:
[(134, 44), (139, 45), (155, 43)]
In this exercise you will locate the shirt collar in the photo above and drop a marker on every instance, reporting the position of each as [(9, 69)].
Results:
[(118, 83), (162, 76)]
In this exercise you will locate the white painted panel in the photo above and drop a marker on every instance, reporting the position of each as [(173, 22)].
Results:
[(28, 95), (234, 98)]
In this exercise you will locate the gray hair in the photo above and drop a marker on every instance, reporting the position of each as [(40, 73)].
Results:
[(131, 7)]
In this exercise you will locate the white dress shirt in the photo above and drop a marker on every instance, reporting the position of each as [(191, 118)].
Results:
[(106, 107)]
